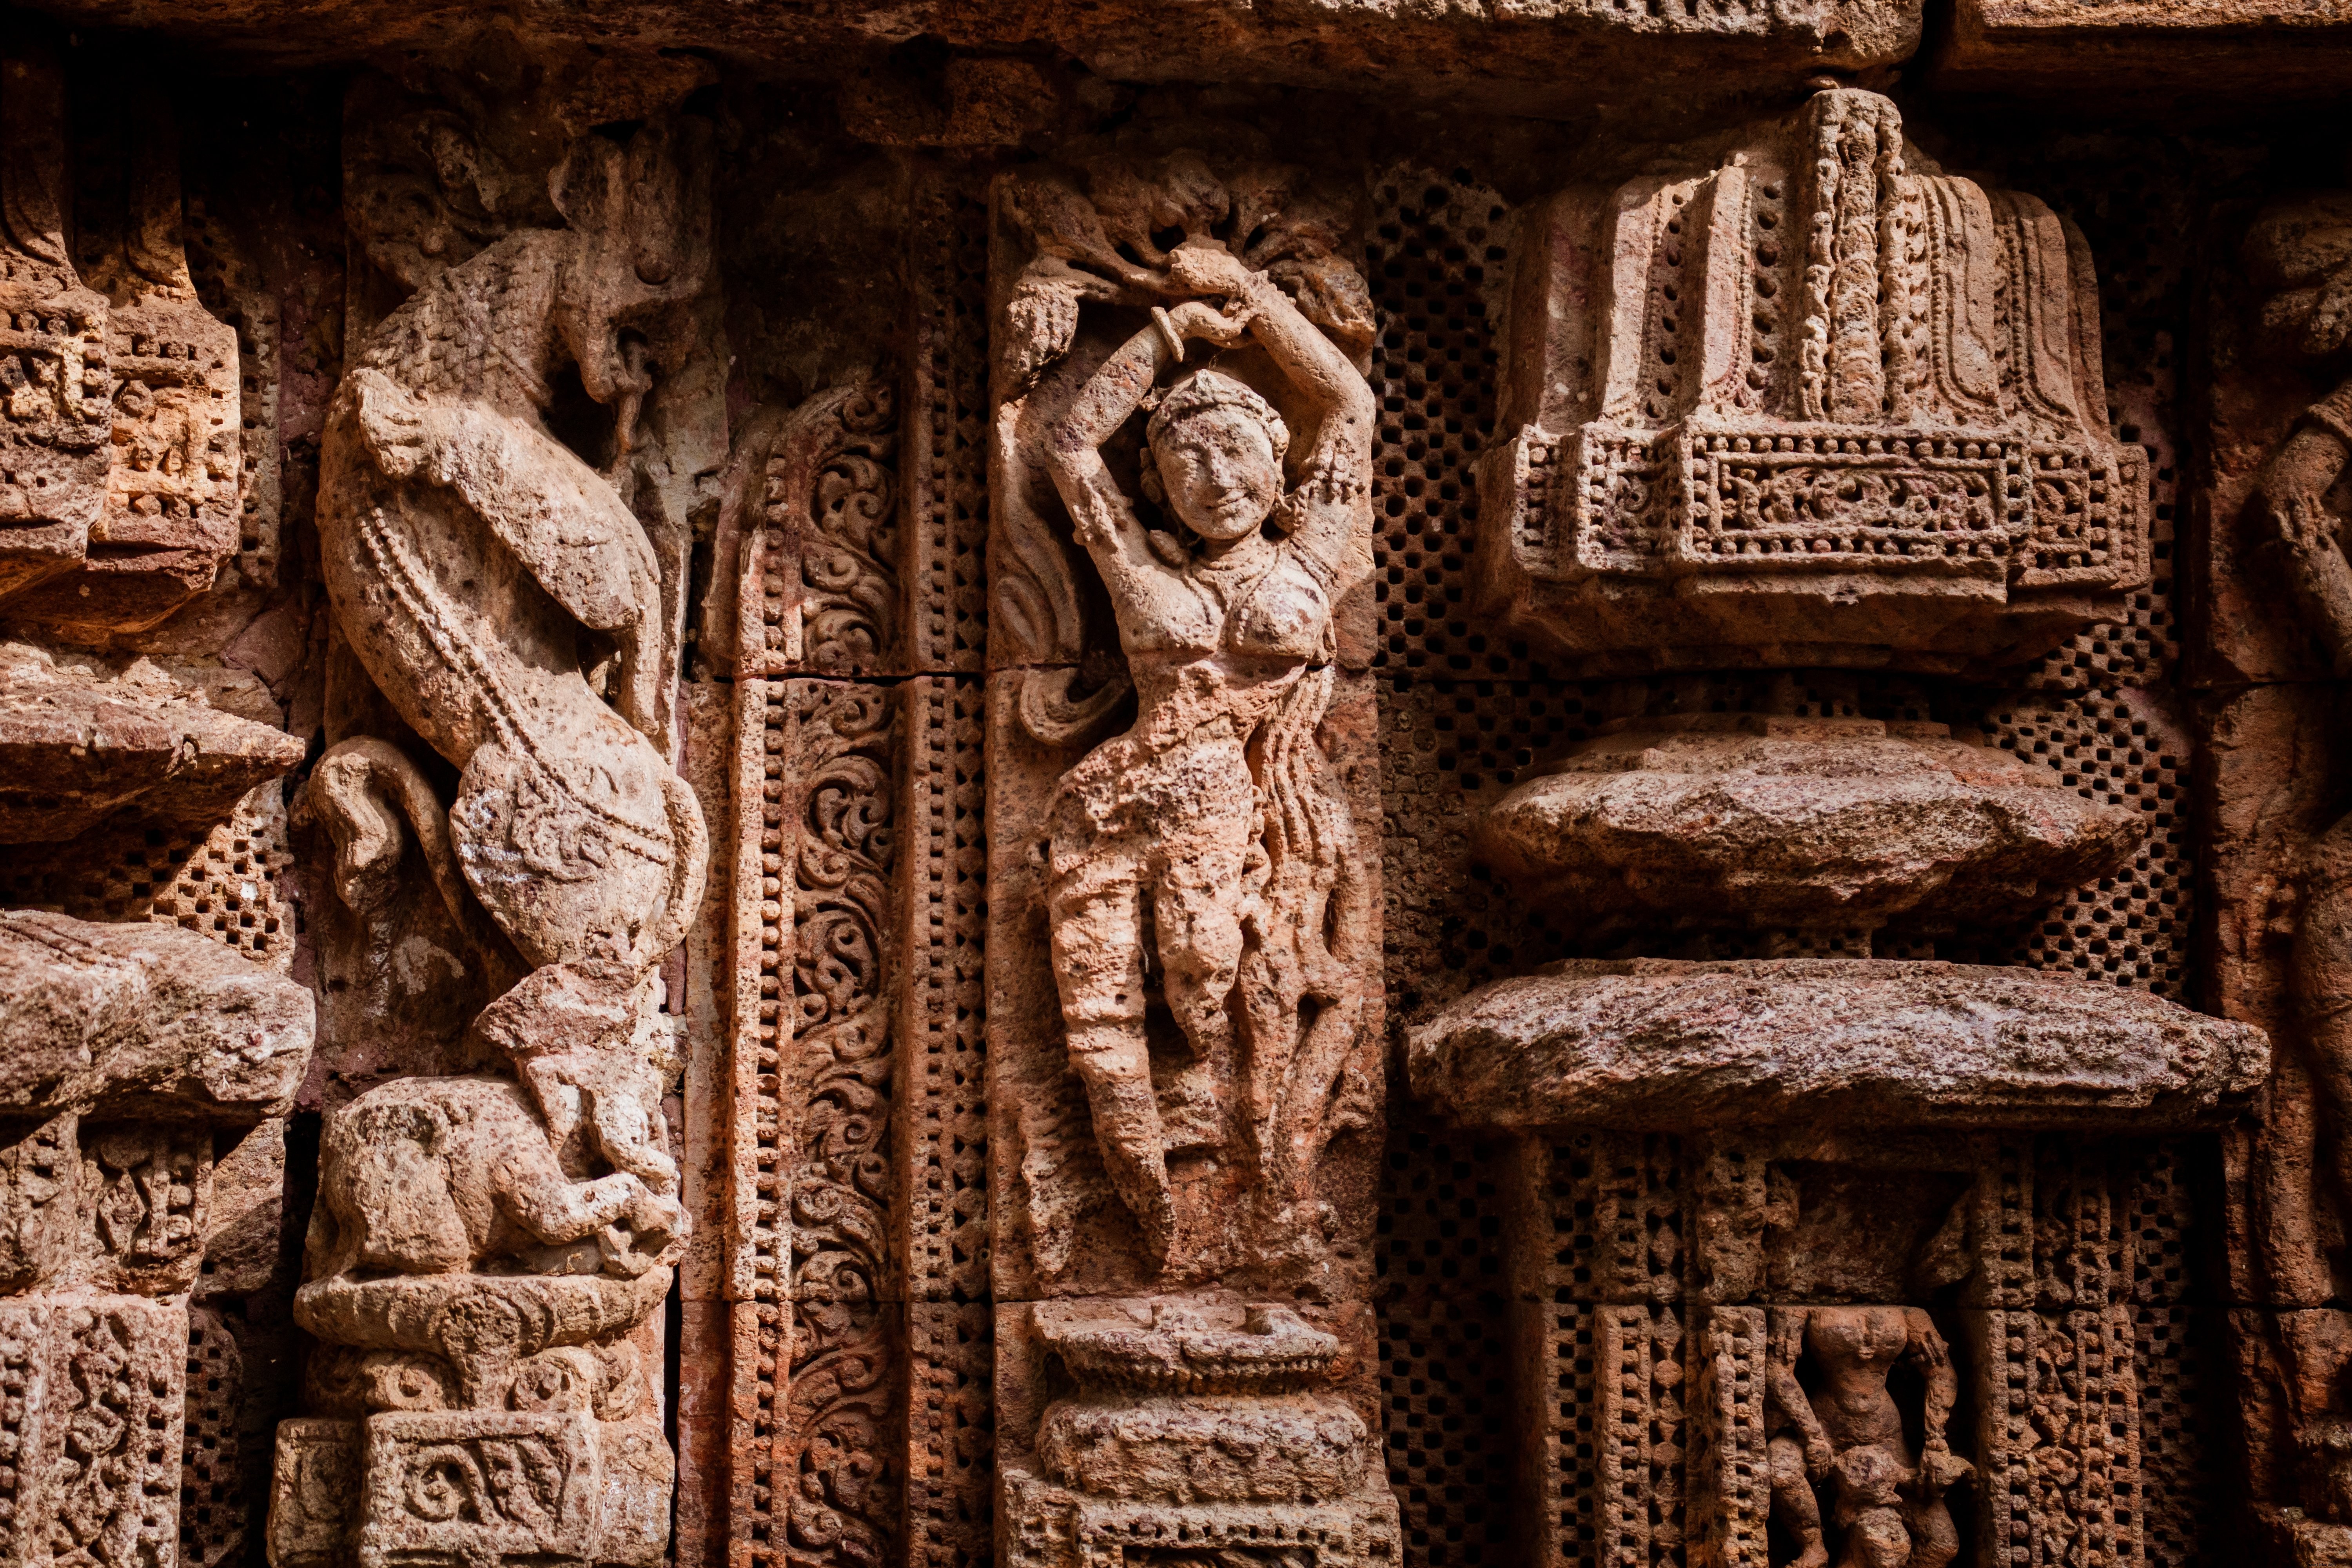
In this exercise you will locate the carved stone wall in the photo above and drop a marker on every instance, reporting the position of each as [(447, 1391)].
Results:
[(1089, 785)]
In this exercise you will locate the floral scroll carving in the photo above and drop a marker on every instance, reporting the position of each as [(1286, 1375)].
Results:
[(817, 939)]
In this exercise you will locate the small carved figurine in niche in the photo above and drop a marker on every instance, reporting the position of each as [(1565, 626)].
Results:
[(1848, 1434), (1206, 838)]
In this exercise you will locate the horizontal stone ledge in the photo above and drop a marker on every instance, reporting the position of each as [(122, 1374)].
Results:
[(1662, 1045), (1528, 56), (141, 1020), (2172, 53)]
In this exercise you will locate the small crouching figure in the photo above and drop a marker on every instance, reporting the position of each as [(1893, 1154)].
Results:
[(1886, 1499)]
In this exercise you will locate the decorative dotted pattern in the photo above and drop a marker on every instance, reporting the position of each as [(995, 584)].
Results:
[(227, 884), (2135, 207), (1445, 1364), (2122, 748), (947, 463), (213, 1482), (231, 290), (2177, 1479), (950, 1347), (1445, 1392), (1572, 1444), (1440, 1234), (1437, 246)]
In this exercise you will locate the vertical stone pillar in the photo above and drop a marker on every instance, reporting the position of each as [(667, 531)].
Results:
[(134, 1051)]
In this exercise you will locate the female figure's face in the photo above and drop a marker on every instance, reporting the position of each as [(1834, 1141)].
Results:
[(1220, 471)]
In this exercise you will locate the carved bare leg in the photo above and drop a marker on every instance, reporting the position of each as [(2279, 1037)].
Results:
[(1097, 939), (1934, 1540), (1195, 912), (1793, 1503)]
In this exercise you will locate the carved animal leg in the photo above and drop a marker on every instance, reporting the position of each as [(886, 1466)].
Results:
[(1097, 939), (532, 1189), (361, 790), (1793, 1503)]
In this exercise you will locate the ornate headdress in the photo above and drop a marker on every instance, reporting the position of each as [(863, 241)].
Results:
[(1205, 390)]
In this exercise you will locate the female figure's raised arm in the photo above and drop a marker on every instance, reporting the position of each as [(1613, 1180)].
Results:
[(1334, 524), (1102, 515), (1343, 445)]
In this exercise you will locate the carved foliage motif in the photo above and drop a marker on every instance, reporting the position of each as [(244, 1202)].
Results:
[(820, 588), (842, 1059), (818, 936)]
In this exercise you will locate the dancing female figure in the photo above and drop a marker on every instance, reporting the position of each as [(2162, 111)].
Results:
[(1209, 824)]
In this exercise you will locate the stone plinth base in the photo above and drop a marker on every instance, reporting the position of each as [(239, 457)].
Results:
[(470, 1486)]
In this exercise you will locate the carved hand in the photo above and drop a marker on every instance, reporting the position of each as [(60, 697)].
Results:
[(1205, 267), (1819, 1456), (2304, 523), (396, 427), (1197, 318), (1941, 1470)]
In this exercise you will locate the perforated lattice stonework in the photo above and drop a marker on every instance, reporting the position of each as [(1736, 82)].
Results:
[(1447, 1350), (1466, 712), (213, 1505), (2122, 748), (228, 884)]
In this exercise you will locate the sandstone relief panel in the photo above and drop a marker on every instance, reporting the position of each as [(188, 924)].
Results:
[(490, 1253), (1187, 811), (1550, 786)]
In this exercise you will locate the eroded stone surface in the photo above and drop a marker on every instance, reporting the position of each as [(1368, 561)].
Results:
[(1753, 820), (143, 1020), (1654, 1043), (2177, 50), (487, 1251), (81, 739), (1537, 56)]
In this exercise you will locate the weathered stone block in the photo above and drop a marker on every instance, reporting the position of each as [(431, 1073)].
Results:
[(1657, 1043)]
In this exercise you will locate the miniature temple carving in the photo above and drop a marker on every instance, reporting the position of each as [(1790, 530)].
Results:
[(1818, 405)]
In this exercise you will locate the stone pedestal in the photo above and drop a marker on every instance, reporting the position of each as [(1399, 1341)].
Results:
[(1193, 1427), (133, 1053)]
